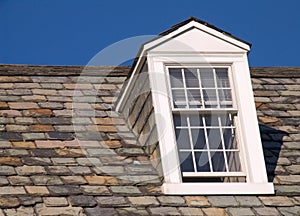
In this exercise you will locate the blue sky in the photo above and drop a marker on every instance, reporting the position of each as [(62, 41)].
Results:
[(71, 32)]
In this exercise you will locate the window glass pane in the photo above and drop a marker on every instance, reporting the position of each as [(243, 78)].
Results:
[(186, 162), (222, 78), (176, 78), (180, 120), (211, 120), (196, 120), (218, 161), (194, 98), (233, 159), (191, 78), (179, 98), (202, 162), (198, 138), (225, 120), (182, 138), (214, 138), (210, 95), (207, 78), (229, 138), (225, 95)]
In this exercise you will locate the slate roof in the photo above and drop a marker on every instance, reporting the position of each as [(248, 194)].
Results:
[(64, 151)]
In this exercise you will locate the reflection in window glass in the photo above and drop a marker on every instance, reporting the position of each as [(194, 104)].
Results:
[(202, 162), (186, 162)]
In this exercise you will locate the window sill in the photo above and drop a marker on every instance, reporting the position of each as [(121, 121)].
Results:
[(217, 188)]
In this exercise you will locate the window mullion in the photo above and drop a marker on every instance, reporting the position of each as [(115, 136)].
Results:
[(223, 144), (200, 86), (185, 89), (191, 144), (207, 144)]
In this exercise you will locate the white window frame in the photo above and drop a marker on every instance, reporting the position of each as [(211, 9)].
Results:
[(233, 110), (252, 158)]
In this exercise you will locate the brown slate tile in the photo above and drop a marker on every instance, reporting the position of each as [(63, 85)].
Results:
[(55, 201), (101, 180), (9, 202), (13, 161), (197, 201), (23, 105), (37, 190), (214, 211), (37, 112)]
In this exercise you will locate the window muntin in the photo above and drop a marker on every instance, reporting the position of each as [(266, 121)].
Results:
[(206, 141)]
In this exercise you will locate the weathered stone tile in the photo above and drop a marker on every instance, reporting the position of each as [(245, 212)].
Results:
[(9, 190), (70, 152), (30, 200), (10, 113), (267, 211), (37, 112), (222, 201), (290, 211), (73, 180), (88, 161), (214, 211), (132, 211), (55, 201), (171, 201), (19, 180), (37, 190), (36, 161), (64, 161), (126, 190), (95, 190), (108, 201), (66, 211), (30, 170), (164, 211), (289, 180), (3, 181), (33, 136), (58, 170), (59, 99), (248, 201), (64, 190), (41, 128), (17, 128), (11, 136), (17, 152), (101, 180), (50, 79), (9, 202), (5, 144), (7, 170), (143, 201), (98, 211), (276, 201), (240, 211), (34, 98), (82, 170), (19, 92), (46, 180), (51, 105), (197, 201), (52, 85), (23, 105), (14, 161), (82, 200)]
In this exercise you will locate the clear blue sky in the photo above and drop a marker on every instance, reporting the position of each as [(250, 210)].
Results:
[(71, 32)]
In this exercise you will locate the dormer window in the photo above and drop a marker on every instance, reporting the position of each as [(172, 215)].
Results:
[(203, 111)]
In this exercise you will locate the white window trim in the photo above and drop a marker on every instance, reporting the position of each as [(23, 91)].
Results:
[(247, 125)]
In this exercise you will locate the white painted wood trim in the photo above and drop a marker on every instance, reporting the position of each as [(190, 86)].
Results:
[(217, 188)]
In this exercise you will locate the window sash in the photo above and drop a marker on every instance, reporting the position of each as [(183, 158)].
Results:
[(216, 109)]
